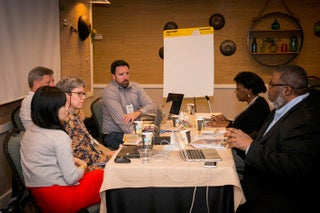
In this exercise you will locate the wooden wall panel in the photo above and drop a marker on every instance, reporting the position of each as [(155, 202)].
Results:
[(132, 30)]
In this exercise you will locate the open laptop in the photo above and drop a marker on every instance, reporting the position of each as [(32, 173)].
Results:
[(196, 155), (163, 114), (176, 99)]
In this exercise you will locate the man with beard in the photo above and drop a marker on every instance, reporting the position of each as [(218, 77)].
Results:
[(282, 164), (124, 101)]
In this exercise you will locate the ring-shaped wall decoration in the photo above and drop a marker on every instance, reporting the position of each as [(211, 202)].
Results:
[(216, 21), (227, 47)]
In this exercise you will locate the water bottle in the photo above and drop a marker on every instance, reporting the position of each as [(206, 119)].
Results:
[(254, 45), (293, 44)]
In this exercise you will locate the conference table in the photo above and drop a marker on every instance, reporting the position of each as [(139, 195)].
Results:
[(169, 184)]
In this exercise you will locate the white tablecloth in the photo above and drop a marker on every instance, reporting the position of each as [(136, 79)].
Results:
[(171, 171)]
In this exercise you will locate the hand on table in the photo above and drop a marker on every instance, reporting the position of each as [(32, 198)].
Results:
[(218, 121), (130, 117)]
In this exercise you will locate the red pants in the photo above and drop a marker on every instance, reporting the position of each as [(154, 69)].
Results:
[(69, 199)]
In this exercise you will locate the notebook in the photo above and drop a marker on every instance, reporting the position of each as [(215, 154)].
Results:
[(196, 155)]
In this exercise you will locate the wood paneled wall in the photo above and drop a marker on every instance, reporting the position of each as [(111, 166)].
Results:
[(132, 30)]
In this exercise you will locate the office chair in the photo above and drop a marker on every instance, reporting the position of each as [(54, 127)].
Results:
[(25, 200), (15, 119), (96, 110), (11, 148)]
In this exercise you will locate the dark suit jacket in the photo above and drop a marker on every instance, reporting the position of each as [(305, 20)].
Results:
[(282, 168), (251, 120)]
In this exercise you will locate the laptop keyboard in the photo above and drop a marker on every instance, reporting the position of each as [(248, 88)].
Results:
[(195, 154)]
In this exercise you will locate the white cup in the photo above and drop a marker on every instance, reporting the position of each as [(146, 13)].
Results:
[(145, 154), (200, 123), (138, 127), (147, 139), (190, 107), (175, 120)]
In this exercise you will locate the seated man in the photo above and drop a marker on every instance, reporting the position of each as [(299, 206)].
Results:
[(38, 77), (123, 102)]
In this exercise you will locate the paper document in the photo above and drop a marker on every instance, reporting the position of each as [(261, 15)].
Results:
[(210, 138), (131, 139)]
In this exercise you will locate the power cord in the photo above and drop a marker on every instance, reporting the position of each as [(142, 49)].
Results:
[(194, 192)]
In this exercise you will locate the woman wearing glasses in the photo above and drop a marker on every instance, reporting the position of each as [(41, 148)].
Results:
[(84, 145), (58, 181)]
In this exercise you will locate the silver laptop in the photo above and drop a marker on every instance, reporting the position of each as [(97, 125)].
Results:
[(196, 155), (163, 114)]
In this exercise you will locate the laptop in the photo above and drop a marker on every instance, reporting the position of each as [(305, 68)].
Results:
[(176, 99), (196, 155), (163, 114)]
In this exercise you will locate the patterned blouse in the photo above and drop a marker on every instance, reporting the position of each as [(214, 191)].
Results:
[(82, 144)]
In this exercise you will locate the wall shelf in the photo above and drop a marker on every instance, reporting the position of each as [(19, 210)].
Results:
[(273, 46)]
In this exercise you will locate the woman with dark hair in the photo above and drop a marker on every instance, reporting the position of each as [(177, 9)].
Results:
[(58, 181), (248, 87)]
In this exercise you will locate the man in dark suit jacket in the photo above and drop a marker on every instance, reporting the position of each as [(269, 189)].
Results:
[(282, 164)]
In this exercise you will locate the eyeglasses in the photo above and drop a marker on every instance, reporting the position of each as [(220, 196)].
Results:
[(277, 85), (80, 94)]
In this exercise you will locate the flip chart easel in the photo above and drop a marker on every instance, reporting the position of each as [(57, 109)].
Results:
[(189, 62)]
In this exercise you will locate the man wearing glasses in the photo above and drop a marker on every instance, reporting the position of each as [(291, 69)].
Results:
[(282, 164)]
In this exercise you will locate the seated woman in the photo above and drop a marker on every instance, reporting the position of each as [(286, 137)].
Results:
[(58, 181), (248, 87), (84, 145)]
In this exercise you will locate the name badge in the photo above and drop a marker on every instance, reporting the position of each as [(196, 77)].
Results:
[(129, 108)]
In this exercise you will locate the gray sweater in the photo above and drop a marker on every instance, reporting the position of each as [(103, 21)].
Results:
[(46, 158)]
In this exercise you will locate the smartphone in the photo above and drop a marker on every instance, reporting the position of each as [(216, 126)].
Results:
[(210, 164)]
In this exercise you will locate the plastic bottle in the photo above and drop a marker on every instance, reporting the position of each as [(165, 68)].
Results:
[(293, 44), (254, 45)]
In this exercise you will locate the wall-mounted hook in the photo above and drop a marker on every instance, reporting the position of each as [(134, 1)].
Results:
[(72, 29), (67, 24)]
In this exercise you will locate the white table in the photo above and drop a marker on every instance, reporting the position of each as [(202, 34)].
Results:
[(171, 172)]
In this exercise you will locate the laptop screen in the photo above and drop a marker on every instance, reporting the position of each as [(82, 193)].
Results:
[(176, 102)]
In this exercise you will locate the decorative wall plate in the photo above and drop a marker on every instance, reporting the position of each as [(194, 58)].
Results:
[(161, 52), (316, 29), (170, 26), (216, 21), (227, 47)]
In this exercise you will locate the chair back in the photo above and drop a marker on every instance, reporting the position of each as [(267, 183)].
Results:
[(11, 148), (96, 110), (15, 119), (314, 82)]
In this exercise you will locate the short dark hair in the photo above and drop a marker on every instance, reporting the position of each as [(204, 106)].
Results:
[(118, 63), (252, 81), (295, 76), (45, 106), (37, 73)]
